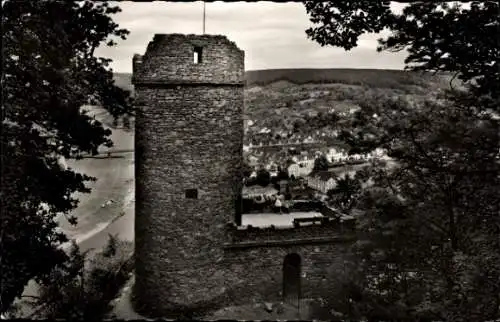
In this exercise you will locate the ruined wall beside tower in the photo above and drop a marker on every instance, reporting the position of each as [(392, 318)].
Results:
[(189, 139)]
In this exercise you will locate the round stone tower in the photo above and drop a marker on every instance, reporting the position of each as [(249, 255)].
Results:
[(188, 156)]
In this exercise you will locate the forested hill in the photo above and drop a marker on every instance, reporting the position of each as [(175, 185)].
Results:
[(381, 78), (374, 78)]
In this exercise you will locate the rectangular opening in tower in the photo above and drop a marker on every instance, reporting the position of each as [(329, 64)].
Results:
[(192, 193), (197, 55)]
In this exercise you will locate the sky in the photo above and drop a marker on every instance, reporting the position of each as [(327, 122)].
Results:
[(271, 34)]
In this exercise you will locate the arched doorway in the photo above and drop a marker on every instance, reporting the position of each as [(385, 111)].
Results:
[(291, 279)]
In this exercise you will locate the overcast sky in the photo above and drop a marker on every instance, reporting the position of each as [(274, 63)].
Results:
[(271, 34)]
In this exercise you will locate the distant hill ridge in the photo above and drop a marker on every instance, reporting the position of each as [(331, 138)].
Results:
[(381, 78)]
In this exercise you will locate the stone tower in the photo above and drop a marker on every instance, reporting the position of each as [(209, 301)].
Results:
[(188, 146)]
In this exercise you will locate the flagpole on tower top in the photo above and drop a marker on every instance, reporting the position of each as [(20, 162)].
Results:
[(203, 17)]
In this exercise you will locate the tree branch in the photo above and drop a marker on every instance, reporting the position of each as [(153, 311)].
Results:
[(421, 150)]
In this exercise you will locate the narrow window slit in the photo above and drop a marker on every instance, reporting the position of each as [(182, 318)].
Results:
[(197, 55), (191, 193)]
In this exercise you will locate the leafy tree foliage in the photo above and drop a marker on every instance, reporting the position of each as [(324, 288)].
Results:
[(320, 121), (431, 217), (435, 210), (49, 72), (246, 170), (67, 287), (126, 122), (110, 249), (320, 164), (263, 178), (344, 195), (282, 174), (83, 288), (439, 36)]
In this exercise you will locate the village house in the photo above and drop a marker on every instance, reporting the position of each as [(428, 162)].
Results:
[(306, 163), (309, 139), (296, 170), (302, 166), (265, 130), (253, 161), (258, 192), (322, 181)]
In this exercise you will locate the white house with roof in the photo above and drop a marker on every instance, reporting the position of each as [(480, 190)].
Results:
[(309, 139), (307, 162), (265, 130), (353, 110), (301, 169), (271, 166), (253, 161), (336, 155), (380, 153), (322, 181)]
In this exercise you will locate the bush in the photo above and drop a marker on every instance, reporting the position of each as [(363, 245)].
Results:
[(307, 206), (263, 177), (250, 206), (84, 287), (126, 122)]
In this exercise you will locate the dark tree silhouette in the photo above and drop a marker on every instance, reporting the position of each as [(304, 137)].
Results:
[(263, 177), (439, 36), (345, 193), (49, 72), (320, 164), (246, 170), (431, 217)]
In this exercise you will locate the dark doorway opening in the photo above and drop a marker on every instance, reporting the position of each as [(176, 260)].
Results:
[(291, 279)]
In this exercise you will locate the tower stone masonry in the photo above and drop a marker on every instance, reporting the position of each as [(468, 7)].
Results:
[(188, 146)]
